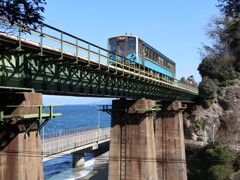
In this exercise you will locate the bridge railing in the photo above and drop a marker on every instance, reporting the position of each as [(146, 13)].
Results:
[(48, 38), (67, 132), (70, 142)]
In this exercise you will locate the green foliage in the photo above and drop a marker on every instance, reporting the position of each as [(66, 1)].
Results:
[(207, 68), (237, 162), (221, 61), (219, 154), (218, 72), (214, 162), (197, 126), (220, 172), (24, 12), (207, 103), (208, 88), (229, 7), (237, 64), (231, 11), (217, 68)]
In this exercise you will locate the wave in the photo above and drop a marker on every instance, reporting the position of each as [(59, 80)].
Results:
[(87, 169), (52, 174), (89, 163), (85, 172), (82, 173)]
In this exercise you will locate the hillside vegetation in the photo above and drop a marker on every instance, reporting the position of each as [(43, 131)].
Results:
[(221, 61), (216, 118)]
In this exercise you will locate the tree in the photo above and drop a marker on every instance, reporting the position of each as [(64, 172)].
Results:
[(213, 162), (220, 159), (231, 12), (190, 81), (208, 88), (220, 172), (230, 7), (220, 68), (221, 61), (24, 12)]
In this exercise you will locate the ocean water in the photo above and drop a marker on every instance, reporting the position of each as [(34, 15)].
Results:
[(73, 116)]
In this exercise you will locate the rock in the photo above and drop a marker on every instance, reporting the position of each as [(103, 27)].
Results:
[(194, 137), (222, 118)]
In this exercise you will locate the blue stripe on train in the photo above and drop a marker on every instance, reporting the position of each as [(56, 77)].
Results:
[(148, 63), (154, 66)]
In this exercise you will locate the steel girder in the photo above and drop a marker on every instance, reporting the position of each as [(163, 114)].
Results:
[(58, 74)]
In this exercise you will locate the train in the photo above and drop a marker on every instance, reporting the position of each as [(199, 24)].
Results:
[(130, 49)]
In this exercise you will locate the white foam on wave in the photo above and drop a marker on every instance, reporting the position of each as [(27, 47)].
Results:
[(86, 171), (82, 173), (89, 163)]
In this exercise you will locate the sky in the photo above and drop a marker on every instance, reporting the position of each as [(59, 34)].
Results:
[(176, 28)]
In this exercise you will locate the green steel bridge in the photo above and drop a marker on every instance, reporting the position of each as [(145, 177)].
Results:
[(51, 61), (55, 62)]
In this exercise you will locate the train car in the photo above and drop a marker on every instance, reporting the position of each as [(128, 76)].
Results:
[(131, 49)]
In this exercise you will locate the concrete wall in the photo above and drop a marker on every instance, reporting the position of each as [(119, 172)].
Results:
[(20, 157), (132, 145)]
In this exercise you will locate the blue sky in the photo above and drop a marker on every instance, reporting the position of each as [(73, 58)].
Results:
[(175, 28)]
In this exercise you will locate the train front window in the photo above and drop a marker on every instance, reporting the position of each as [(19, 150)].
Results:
[(121, 48), (112, 45), (131, 44)]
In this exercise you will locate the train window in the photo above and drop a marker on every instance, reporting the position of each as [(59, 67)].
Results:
[(146, 51), (150, 54), (154, 57), (112, 44), (160, 60), (140, 49), (121, 48), (164, 63), (170, 65), (131, 44), (140, 46)]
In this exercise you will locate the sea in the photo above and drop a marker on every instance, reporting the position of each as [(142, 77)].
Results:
[(73, 117)]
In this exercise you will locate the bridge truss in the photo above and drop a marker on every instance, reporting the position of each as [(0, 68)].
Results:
[(54, 62)]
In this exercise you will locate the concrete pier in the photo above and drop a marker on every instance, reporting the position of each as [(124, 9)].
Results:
[(20, 156), (78, 159), (132, 145), (170, 148)]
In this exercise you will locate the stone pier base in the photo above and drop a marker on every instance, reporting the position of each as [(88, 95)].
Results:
[(20, 157), (132, 146), (170, 142), (78, 158)]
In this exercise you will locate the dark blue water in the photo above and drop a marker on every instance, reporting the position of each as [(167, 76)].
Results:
[(73, 116), (77, 116)]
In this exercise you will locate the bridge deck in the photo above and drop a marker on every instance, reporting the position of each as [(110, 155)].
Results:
[(61, 145), (55, 62)]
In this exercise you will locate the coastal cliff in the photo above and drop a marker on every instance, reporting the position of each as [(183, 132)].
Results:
[(220, 121)]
